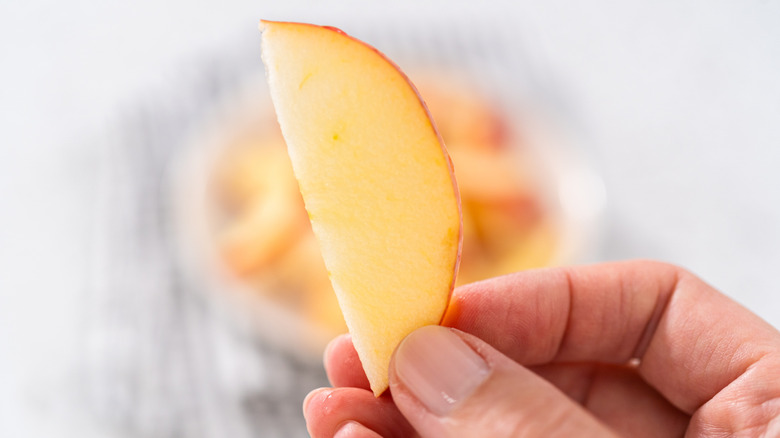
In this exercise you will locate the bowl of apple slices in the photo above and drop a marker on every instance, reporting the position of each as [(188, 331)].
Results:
[(527, 201)]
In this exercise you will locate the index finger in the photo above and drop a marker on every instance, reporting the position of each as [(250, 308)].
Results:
[(691, 340)]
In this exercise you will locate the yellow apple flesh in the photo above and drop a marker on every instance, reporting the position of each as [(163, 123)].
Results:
[(376, 180)]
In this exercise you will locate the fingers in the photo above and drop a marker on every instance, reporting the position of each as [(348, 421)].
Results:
[(703, 343), (615, 395), (355, 430), (343, 365), (619, 397), (691, 339), (594, 313), (694, 344), (353, 413), (450, 384), (749, 406)]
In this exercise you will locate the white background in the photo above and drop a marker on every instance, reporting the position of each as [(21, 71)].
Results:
[(680, 99)]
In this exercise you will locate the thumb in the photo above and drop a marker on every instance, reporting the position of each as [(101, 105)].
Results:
[(451, 384)]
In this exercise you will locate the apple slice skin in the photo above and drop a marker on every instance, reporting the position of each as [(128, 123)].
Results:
[(323, 218)]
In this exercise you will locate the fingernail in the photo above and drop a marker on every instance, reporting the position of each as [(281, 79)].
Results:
[(352, 429), (439, 368)]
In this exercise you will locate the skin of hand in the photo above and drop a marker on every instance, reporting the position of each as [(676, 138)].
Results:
[(640, 349)]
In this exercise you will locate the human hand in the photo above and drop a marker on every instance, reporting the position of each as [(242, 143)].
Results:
[(632, 348)]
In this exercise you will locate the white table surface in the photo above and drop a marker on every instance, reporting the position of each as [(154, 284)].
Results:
[(681, 100)]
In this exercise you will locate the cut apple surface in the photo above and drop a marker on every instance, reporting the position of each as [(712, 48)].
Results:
[(376, 180)]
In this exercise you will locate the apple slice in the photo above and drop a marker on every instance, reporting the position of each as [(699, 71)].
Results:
[(376, 180)]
